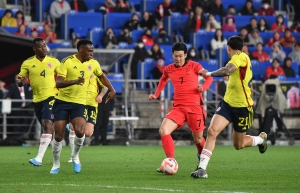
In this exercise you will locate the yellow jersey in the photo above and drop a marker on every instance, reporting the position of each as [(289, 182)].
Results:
[(238, 91), (93, 90), (71, 68), (41, 76)]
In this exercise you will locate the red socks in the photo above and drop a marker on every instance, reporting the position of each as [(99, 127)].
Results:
[(168, 145), (200, 146)]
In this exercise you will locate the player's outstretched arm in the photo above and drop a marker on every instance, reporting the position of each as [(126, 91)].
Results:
[(62, 83), (224, 71), (102, 93), (107, 83)]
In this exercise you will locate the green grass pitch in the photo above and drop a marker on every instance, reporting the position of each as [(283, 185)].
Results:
[(133, 169)]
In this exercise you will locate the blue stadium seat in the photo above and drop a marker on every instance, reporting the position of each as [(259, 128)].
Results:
[(41, 7), (210, 65), (259, 69), (95, 35), (265, 36), (144, 71), (1, 12), (227, 35), (176, 22), (137, 34), (202, 39), (93, 5), (11, 30), (167, 53), (84, 20), (116, 20), (118, 86), (65, 44)]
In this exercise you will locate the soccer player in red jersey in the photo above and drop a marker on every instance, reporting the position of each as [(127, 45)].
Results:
[(187, 99)]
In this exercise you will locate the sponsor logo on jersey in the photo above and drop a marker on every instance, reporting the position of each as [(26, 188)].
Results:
[(75, 67), (33, 66)]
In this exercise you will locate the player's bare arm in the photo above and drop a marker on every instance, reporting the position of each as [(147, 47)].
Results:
[(107, 83), (102, 93), (21, 80), (224, 71), (62, 83)]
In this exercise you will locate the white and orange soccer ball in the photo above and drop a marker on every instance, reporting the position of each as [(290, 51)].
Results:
[(169, 166)]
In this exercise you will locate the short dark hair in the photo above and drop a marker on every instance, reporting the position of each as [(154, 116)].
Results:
[(35, 40), (235, 43), (83, 42), (179, 46)]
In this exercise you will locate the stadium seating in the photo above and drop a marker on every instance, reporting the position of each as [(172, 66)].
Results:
[(118, 86), (84, 20), (137, 34), (116, 20), (95, 35), (144, 70)]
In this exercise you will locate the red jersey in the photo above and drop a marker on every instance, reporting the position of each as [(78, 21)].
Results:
[(185, 82)]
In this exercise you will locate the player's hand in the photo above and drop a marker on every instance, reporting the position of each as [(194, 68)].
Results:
[(152, 97), (200, 88), (110, 96), (203, 72), (79, 81), (99, 99)]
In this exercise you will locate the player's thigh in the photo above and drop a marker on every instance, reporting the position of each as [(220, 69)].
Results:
[(78, 111), (217, 125), (60, 111), (195, 118), (167, 126), (238, 139), (89, 129), (59, 129)]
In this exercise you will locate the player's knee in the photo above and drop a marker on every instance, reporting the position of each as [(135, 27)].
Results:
[(47, 127), (89, 133), (212, 132), (238, 146), (163, 131)]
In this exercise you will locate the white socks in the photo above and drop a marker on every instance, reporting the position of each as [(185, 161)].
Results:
[(78, 142), (56, 150), (204, 158), (71, 140), (44, 143), (256, 140)]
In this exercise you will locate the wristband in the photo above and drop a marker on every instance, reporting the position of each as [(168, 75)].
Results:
[(208, 74)]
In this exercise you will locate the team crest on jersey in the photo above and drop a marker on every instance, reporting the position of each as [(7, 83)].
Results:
[(218, 109), (188, 71), (89, 67), (49, 65)]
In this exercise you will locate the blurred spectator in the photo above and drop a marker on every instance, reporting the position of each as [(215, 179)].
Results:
[(125, 36), (231, 10), (3, 90), (263, 25), (266, 9), (156, 52), (33, 33), (184, 6), (274, 39), (217, 42), (259, 54), (288, 40), (109, 39), (205, 4), (48, 35), (163, 38), (147, 22), (122, 6), (248, 8), (22, 31), (252, 25), (229, 25), (295, 54), (295, 26), (57, 9), (158, 69), (254, 38), (246, 50), (277, 52), (75, 41), (212, 24), (192, 54), (222, 86), (195, 22), (162, 10), (107, 7), (132, 23), (244, 35), (218, 8), (79, 5), (20, 18), (274, 69), (287, 67), (140, 54), (8, 20), (148, 38), (279, 25)]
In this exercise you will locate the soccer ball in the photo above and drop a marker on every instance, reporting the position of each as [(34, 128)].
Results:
[(169, 166)]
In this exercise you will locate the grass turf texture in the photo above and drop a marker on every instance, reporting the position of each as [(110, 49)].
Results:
[(133, 169)]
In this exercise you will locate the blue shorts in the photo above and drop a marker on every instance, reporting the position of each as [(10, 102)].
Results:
[(67, 111), (91, 114), (241, 118), (43, 109)]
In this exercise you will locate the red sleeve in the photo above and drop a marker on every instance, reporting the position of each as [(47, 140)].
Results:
[(269, 71), (162, 82), (207, 83), (274, 26)]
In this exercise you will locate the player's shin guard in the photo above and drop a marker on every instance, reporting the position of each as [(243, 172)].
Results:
[(204, 158), (78, 142), (200, 146), (168, 145), (44, 143), (71, 140), (56, 150)]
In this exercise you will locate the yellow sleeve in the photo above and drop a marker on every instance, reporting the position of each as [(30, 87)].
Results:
[(97, 70), (100, 83), (238, 60), (63, 69), (24, 70)]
